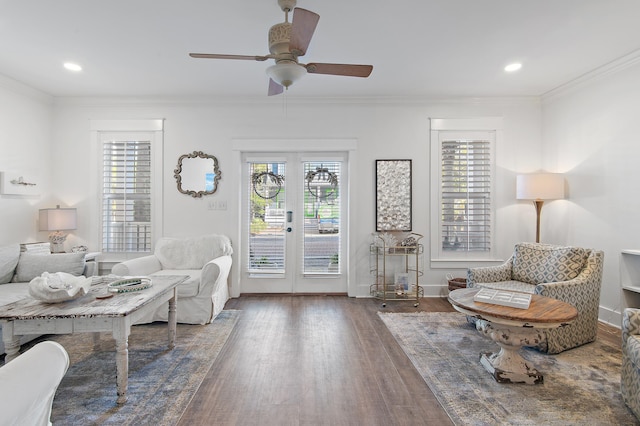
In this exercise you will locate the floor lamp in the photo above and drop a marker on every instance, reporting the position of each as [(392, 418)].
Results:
[(539, 187)]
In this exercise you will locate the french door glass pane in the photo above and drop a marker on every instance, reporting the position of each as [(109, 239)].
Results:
[(267, 218), (321, 205)]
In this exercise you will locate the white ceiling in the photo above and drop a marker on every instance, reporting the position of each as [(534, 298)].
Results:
[(434, 48)]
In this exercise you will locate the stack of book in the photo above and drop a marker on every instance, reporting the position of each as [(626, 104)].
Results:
[(513, 299), (36, 248)]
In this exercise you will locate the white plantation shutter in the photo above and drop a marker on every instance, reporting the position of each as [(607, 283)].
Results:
[(466, 207), (463, 169), (126, 196)]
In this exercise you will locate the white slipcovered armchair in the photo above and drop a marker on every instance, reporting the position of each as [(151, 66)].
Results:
[(570, 274), (207, 262), (29, 383)]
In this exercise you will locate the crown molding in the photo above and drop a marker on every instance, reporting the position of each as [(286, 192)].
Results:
[(603, 71), (290, 101), (22, 89)]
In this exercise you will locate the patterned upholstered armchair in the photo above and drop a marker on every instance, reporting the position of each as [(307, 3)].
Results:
[(630, 380), (570, 274)]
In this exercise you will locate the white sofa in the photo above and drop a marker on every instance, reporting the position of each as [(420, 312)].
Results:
[(18, 269), (207, 262), (29, 383)]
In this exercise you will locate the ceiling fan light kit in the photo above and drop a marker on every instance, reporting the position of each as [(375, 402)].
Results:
[(288, 41), (287, 5), (286, 73)]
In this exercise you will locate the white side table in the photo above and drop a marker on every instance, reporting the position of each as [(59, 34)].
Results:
[(92, 257)]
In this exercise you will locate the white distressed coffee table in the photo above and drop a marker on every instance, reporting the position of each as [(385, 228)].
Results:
[(511, 328), (88, 314)]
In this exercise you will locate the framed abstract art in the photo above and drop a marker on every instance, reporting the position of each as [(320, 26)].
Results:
[(393, 195)]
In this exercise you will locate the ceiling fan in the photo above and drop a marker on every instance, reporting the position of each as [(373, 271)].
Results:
[(288, 41)]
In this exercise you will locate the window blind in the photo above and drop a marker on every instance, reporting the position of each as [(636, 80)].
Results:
[(321, 240), (466, 195), (266, 218), (126, 196)]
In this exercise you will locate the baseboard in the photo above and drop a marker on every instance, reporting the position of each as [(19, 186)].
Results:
[(610, 317)]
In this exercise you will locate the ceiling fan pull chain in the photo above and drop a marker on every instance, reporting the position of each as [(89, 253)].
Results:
[(285, 110)]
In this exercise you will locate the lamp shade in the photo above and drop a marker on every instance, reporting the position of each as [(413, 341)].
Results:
[(58, 219), (286, 73), (540, 186)]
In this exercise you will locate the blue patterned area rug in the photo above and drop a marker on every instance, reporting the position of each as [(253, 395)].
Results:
[(161, 381), (581, 386)]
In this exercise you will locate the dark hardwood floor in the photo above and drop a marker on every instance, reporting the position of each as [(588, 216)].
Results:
[(317, 360)]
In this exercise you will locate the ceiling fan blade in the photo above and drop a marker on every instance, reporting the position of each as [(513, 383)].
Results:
[(217, 56), (274, 88), (340, 69), (303, 25)]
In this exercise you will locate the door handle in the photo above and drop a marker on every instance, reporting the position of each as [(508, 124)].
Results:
[(289, 216)]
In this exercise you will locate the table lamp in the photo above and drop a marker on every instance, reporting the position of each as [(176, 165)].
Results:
[(539, 187), (57, 220)]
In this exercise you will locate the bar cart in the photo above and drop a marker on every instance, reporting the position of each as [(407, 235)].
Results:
[(397, 268)]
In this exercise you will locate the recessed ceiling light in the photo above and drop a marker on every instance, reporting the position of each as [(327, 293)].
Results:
[(72, 67), (513, 67)]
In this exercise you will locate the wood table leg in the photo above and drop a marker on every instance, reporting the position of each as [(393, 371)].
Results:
[(121, 330), (11, 342), (173, 319)]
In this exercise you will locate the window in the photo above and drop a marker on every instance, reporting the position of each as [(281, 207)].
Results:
[(465, 195), (267, 202), (126, 196), (128, 186), (463, 209), (322, 214)]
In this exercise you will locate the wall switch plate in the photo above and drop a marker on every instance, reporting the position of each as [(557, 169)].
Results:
[(217, 205)]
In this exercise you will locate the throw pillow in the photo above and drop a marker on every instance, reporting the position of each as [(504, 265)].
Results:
[(8, 260), (545, 263), (33, 265)]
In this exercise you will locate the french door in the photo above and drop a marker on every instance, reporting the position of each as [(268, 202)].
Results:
[(293, 232)]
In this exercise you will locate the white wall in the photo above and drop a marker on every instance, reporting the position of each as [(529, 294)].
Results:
[(585, 130), (384, 129), (25, 145), (589, 133)]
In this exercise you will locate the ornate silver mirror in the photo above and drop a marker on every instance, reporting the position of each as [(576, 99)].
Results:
[(197, 174)]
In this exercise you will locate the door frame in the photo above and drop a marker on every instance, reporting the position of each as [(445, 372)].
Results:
[(300, 146)]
